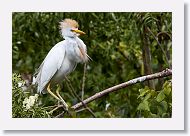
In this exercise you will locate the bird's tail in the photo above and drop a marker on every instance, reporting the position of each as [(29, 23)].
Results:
[(33, 80)]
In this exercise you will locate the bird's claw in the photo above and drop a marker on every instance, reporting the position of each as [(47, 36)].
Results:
[(65, 106)]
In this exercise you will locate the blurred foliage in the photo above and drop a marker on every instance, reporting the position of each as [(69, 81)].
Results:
[(115, 42)]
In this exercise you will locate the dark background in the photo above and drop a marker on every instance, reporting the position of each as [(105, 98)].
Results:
[(122, 45)]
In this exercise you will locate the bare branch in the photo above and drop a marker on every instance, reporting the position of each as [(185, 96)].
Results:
[(75, 94), (83, 82), (164, 73), (60, 115)]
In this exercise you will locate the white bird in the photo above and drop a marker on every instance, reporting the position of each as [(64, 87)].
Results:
[(61, 59)]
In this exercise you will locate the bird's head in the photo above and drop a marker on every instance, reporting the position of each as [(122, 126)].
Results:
[(69, 28)]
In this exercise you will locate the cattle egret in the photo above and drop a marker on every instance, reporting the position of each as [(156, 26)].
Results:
[(61, 59)]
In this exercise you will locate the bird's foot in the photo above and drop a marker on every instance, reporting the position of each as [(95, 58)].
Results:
[(63, 104)]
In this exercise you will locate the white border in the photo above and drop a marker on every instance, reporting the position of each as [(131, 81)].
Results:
[(174, 123)]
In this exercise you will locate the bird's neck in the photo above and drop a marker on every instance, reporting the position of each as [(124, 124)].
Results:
[(75, 38), (70, 37)]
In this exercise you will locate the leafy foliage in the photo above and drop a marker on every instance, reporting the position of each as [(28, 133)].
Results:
[(156, 103), (18, 97), (122, 45)]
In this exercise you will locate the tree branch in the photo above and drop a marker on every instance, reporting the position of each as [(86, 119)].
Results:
[(75, 94), (164, 73), (83, 82), (160, 46)]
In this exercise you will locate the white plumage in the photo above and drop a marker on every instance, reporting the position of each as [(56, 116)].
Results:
[(62, 58)]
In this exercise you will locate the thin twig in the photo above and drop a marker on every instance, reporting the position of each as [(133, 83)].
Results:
[(164, 73), (72, 90), (56, 108), (80, 110), (83, 82), (48, 107), (60, 115), (160, 46)]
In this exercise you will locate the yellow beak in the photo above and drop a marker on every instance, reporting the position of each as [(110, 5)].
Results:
[(78, 31)]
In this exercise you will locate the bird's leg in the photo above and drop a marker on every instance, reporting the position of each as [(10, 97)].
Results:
[(49, 91), (62, 100), (59, 99)]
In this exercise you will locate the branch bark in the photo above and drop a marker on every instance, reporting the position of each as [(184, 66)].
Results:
[(164, 73), (146, 54)]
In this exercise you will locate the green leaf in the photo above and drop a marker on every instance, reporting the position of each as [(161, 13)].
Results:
[(167, 91), (153, 106), (147, 96), (164, 105), (160, 96), (144, 106), (153, 115), (143, 92), (167, 88), (98, 114), (162, 108), (165, 115)]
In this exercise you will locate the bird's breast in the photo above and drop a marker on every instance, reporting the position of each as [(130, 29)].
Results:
[(75, 52)]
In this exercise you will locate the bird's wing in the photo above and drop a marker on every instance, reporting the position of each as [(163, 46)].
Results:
[(38, 70), (50, 65), (84, 49)]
